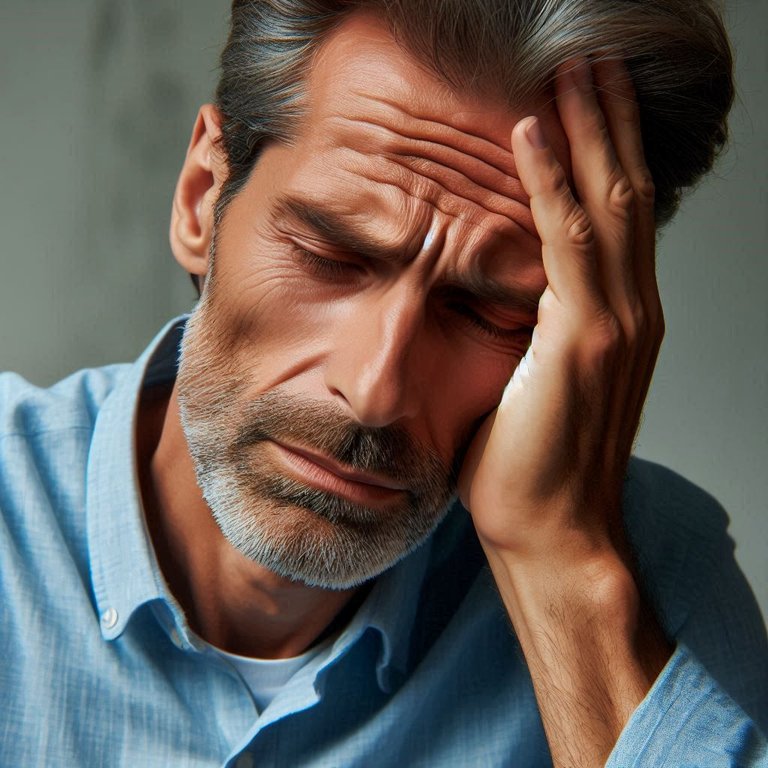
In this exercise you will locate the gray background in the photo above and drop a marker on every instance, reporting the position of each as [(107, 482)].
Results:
[(98, 98)]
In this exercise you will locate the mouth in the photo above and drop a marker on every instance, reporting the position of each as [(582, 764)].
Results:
[(320, 471)]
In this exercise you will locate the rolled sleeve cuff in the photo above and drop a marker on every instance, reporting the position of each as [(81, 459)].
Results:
[(687, 720)]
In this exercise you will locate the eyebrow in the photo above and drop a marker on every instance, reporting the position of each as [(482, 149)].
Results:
[(338, 231), (341, 234)]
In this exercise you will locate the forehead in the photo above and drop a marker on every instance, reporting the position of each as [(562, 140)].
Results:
[(361, 62), (391, 148)]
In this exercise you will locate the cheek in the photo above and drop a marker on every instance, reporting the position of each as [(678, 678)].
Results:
[(463, 396), (290, 329), (266, 302), (280, 339)]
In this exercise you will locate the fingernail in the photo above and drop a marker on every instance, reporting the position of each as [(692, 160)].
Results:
[(535, 135), (581, 74)]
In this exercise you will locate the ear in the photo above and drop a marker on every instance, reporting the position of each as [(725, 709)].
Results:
[(197, 190)]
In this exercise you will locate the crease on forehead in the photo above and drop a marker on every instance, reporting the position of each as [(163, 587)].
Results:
[(395, 216), (369, 95), (444, 161), (449, 192)]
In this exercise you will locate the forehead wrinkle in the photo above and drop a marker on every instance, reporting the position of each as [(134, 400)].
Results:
[(470, 176), (408, 123), (365, 91), (385, 78), (456, 170), (482, 162), (493, 203), (387, 172)]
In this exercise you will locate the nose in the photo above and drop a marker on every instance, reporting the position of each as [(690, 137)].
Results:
[(379, 359)]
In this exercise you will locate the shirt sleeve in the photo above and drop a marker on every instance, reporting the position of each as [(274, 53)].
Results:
[(688, 721)]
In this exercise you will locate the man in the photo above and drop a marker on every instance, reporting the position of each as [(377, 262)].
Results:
[(424, 236)]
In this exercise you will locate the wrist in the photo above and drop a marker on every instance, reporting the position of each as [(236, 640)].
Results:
[(586, 618), (589, 585)]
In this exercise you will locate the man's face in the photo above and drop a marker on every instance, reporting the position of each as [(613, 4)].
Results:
[(375, 285)]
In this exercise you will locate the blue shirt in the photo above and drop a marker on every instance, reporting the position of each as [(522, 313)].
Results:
[(98, 666)]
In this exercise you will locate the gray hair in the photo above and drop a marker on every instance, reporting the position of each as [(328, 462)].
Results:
[(676, 50)]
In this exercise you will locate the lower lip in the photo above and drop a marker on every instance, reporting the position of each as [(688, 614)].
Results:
[(317, 476)]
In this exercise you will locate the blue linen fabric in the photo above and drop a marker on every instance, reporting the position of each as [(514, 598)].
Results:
[(98, 666)]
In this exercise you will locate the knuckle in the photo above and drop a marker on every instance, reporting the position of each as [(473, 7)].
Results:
[(621, 196), (604, 343), (647, 327), (631, 336), (580, 231), (558, 181), (645, 188), (611, 338), (632, 329)]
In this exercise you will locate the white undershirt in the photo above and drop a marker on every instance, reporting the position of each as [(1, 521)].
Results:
[(265, 677)]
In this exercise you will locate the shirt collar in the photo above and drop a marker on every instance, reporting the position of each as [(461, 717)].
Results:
[(124, 568)]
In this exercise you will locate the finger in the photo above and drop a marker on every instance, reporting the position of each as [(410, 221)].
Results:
[(606, 189), (616, 94), (565, 231), (617, 97), (601, 184)]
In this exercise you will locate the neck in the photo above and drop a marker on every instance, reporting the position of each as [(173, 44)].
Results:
[(230, 601)]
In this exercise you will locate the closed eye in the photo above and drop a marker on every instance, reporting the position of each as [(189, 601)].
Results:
[(511, 332), (325, 266)]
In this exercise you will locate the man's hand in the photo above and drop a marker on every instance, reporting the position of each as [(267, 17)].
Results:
[(543, 478)]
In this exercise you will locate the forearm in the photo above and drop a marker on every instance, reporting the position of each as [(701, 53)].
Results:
[(592, 646)]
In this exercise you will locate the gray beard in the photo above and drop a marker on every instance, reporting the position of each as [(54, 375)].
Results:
[(297, 531)]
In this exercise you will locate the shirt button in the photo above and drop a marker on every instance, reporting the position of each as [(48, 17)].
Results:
[(109, 618), (245, 760), (176, 637)]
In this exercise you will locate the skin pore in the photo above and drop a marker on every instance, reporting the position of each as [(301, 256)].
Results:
[(322, 291)]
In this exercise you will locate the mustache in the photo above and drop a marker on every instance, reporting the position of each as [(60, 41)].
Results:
[(390, 451)]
